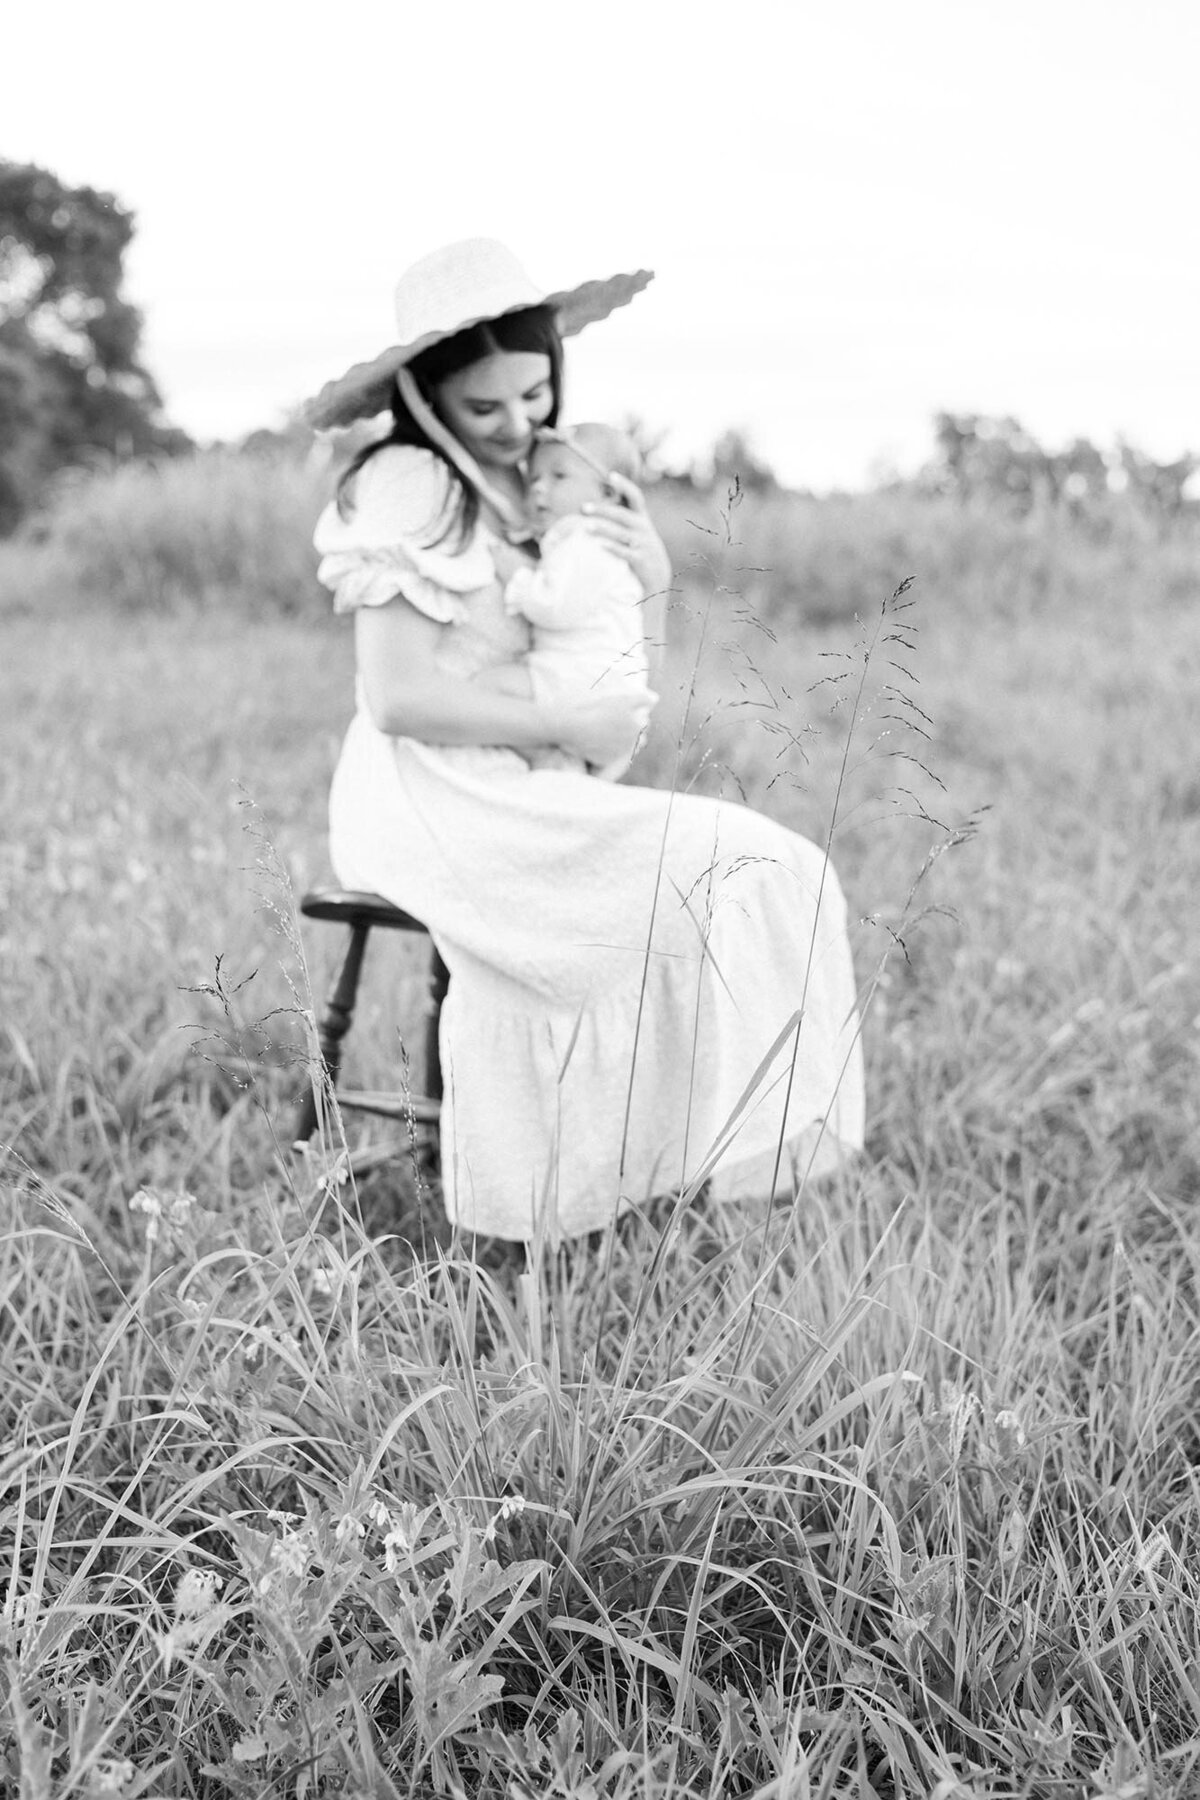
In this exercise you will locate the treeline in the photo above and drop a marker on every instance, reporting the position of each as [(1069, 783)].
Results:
[(982, 460)]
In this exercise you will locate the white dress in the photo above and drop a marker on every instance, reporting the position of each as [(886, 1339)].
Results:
[(622, 960)]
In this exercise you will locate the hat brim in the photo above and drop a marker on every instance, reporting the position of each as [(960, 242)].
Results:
[(366, 389)]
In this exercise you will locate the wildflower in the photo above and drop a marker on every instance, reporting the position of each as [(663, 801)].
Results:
[(250, 1749), (148, 1202), (379, 1515), (173, 1209), (1009, 1436), (509, 1508), (112, 1775), (197, 1615), (291, 1553), (349, 1527), (404, 1535), (196, 1593)]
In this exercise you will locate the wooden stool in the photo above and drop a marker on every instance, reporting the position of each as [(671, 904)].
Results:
[(360, 913)]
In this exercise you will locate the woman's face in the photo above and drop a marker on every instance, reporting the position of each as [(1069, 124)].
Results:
[(494, 407)]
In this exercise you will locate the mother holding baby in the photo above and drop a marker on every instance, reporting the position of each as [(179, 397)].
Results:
[(645, 988)]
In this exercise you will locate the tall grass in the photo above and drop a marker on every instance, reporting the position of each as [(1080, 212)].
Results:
[(224, 527), (890, 1494)]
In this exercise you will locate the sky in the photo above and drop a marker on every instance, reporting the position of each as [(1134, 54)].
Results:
[(859, 214)]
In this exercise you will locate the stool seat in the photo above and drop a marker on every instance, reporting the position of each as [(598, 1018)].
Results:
[(346, 906)]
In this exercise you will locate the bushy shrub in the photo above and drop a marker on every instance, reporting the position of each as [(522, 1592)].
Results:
[(218, 527)]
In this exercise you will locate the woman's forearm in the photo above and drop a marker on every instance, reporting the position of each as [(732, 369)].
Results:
[(446, 709), (408, 695), (506, 678)]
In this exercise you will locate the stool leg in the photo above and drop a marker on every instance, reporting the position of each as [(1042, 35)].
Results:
[(430, 1145), (333, 1025), (439, 981)]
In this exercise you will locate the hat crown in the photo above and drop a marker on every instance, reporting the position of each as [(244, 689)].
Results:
[(477, 278)]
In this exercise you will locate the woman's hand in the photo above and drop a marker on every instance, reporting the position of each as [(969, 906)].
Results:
[(632, 535), (606, 728)]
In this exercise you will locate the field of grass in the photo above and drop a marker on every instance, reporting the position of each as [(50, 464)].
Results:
[(891, 1493)]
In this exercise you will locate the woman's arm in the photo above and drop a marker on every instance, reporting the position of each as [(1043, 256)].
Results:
[(506, 678), (408, 695)]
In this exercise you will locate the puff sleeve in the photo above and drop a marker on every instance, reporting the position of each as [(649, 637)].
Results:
[(381, 549)]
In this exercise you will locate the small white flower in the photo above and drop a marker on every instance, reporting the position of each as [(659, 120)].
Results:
[(348, 1527), (404, 1535), (250, 1749), (1010, 1435), (197, 1593), (508, 1509), (173, 1208), (148, 1202), (396, 1544), (112, 1775), (292, 1553)]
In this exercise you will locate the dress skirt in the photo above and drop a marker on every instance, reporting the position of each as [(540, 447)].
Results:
[(646, 990)]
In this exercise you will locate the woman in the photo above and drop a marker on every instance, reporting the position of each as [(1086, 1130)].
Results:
[(645, 989)]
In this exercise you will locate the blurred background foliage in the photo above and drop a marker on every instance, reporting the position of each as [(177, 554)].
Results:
[(101, 495), (72, 387)]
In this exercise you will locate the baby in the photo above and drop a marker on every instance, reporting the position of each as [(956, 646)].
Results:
[(582, 599)]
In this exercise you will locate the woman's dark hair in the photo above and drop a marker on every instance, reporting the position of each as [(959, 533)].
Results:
[(533, 330)]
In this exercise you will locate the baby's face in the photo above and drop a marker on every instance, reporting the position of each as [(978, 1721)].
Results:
[(559, 483)]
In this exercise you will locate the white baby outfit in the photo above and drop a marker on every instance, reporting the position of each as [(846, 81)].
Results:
[(586, 607), (622, 960)]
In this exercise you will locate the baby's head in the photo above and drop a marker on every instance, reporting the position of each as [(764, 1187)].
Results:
[(571, 466)]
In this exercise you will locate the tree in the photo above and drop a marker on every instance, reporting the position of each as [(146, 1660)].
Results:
[(734, 459), (997, 460), (71, 383)]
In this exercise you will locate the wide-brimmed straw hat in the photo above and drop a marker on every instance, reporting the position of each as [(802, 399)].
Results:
[(463, 285)]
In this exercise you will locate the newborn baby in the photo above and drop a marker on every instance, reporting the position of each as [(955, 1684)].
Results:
[(582, 599)]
